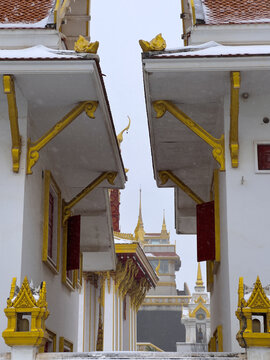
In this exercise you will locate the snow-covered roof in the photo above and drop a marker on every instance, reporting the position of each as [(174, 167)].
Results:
[(43, 53), (123, 241), (25, 13), (234, 12), (212, 49)]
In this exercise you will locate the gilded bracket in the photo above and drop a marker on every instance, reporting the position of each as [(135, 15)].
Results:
[(161, 106), (165, 175), (67, 206), (34, 147), (9, 90), (234, 145)]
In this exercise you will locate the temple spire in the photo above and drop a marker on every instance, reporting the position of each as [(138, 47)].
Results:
[(199, 281), (139, 230), (164, 228)]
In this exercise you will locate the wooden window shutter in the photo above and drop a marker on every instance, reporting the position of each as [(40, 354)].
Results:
[(206, 231), (263, 156), (73, 242)]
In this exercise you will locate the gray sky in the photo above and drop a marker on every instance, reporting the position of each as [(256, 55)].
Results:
[(118, 25)]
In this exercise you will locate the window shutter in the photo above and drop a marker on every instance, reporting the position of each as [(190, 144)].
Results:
[(73, 242), (206, 231), (263, 156)]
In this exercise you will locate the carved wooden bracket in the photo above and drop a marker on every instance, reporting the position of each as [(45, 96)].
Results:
[(67, 206), (9, 90), (34, 147), (234, 145), (161, 106), (165, 175)]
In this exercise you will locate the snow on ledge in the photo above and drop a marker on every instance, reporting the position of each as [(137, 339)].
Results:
[(42, 52), (40, 24), (213, 49)]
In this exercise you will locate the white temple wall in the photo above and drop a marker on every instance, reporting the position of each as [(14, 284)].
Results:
[(12, 198), (245, 205), (63, 303), (88, 320), (108, 340)]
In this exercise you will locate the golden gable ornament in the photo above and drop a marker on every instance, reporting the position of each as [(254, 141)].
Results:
[(26, 312), (253, 314)]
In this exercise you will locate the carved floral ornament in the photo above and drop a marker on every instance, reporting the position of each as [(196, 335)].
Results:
[(156, 44), (84, 46), (125, 282)]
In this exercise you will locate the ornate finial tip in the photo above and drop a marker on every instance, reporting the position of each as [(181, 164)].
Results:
[(156, 44), (84, 46), (120, 135)]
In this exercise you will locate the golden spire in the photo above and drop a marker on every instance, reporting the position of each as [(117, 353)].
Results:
[(120, 135), (164, 223), (139, 230), (199, 281)]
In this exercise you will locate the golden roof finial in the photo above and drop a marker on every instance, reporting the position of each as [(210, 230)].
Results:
[(199, 281), (120, 135), (139, 230)]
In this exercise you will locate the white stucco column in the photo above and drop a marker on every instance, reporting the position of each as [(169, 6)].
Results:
[(108, 326), (12, 190), (24, 352)]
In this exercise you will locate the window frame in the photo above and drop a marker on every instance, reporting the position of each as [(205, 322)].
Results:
[(50, 183), (70, 283), (63, 342), (79, 273), (257, 170)]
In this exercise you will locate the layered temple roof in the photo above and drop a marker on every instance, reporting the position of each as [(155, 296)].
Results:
[(235, 12), (25, 11)]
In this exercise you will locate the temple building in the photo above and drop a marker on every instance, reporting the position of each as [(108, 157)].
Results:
[(159, 317), (196, 318), (59, 156), (209, 124)]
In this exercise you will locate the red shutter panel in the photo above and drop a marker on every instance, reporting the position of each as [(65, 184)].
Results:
[(115, 208), (73, 242), (263, 157), (206, 231)]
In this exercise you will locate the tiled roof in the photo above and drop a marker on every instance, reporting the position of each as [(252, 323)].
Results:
[(219, 12), (24, 11)]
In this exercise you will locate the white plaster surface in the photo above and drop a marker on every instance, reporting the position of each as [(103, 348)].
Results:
[(258, 353)]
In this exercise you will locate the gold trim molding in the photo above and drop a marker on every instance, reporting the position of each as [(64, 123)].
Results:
[(34, 147), (9, 90), (161, 106)]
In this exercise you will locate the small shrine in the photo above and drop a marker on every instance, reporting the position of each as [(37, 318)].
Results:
[(253, 313), (26, 312)]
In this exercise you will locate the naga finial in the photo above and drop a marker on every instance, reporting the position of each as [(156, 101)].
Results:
[(120, 135)]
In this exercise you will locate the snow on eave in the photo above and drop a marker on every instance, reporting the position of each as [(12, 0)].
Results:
[(212, 49), (40, 24), (40, 52)]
